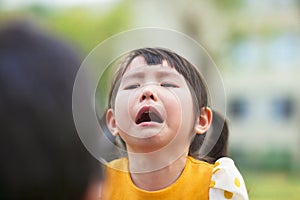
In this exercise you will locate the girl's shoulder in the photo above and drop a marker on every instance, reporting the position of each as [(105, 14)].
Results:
[(196, 161), (226, 181), (120, 164)]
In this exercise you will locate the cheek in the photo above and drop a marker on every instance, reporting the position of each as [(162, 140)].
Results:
[(124, 112), (185, 108), (171, 101), (121, 110), (179, 105), (184, 99)]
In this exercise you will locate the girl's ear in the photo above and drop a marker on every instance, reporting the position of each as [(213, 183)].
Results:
[(111, 122), (204, 120)]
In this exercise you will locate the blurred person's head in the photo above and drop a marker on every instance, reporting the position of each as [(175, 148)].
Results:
[(41, 154)]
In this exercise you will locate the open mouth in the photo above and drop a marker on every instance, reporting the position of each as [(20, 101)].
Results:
[(148, 114)]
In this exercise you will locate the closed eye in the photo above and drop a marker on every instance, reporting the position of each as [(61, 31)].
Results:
[(133, 86), (169, 85)]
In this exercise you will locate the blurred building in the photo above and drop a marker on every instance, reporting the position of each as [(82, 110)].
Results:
[(256, 45), (261, 76)]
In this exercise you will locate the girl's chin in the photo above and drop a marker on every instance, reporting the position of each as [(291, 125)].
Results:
[(146, 134)]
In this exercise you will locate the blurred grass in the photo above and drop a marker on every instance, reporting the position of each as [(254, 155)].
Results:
[(272, 185)]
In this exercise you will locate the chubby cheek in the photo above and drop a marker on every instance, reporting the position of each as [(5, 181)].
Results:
[(173, 113), (122, 111), (182, 111)]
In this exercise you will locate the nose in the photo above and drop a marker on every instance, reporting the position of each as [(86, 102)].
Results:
[(148, 94)]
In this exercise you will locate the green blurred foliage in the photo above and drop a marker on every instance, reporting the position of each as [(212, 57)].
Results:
[(85, 27), (227, 4), (89, 30)]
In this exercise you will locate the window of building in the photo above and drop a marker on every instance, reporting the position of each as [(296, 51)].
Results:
[(282, 108), (238, 108)]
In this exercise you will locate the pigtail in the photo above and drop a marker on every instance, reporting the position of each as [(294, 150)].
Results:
[(220, 148)]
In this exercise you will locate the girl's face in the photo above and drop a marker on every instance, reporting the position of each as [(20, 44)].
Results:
[(153, 108)]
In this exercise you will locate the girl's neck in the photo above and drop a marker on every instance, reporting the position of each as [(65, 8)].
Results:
[(159, 179)]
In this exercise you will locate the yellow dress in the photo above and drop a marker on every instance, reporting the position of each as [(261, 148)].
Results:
[(199, 180)]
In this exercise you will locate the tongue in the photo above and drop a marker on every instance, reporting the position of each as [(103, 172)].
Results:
[(154, 117), (148, 117)]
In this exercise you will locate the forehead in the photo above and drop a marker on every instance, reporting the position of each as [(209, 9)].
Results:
[(139, 63)]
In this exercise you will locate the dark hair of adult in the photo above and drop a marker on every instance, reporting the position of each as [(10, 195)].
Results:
[(41, 154)]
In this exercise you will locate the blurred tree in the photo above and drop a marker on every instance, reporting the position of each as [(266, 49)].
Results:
[(228, 5), (38, 9), (89, 28), (84, 26)]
